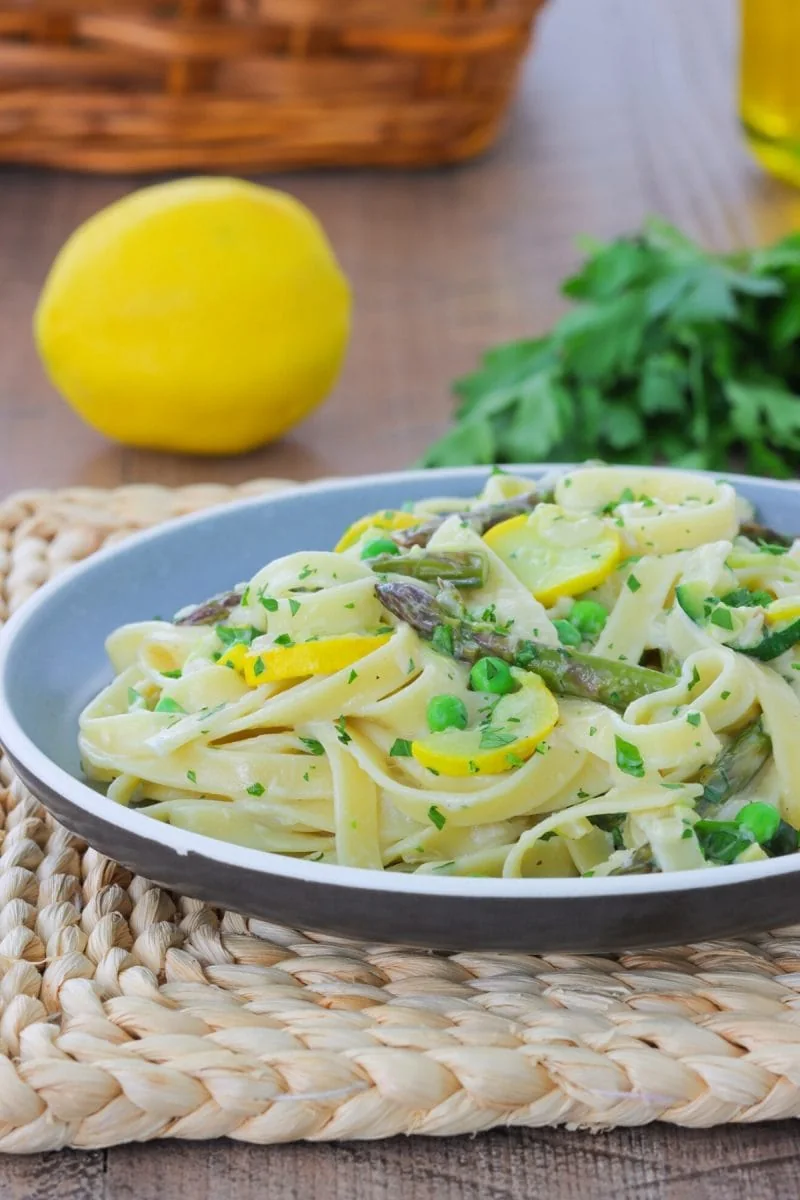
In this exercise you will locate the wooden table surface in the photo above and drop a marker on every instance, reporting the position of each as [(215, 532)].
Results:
[(627, 108)]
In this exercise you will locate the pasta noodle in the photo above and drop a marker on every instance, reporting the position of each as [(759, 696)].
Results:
[(598, 677)]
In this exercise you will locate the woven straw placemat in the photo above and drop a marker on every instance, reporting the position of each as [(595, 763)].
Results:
[(128, 1013)]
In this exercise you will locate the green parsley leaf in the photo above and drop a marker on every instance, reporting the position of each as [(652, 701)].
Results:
[(492, 739), (633, 583), (629, 757), (313, 746), (436, 817), (191, 776), (256, 789), (231, 635), (353, 676), (270, 604), (401, 748), (168, 705), (294, 607), (283, 639), (172, 674), (669, 352), (442, 639), (693, 718), (343, 735)]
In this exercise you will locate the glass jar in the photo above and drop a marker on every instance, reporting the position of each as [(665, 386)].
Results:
[(770, 84)]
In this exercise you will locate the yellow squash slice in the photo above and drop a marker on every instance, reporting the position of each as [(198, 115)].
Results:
[(387, 519), (555, 553), (785, 609), (518, 724), (298, 661)]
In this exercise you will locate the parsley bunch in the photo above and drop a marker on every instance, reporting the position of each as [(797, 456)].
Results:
[(670, 355)]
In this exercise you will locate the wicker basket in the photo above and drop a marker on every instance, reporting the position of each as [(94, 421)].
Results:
[(149, 85)]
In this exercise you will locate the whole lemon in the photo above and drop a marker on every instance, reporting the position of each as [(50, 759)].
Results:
[(205, 315)]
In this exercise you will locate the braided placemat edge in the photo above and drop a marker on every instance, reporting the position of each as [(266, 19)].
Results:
[(128, 1014)]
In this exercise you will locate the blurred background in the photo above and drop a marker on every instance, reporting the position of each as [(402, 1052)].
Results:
[(625, 108)]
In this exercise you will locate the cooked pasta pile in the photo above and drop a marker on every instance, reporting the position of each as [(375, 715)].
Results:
[(592, 675)]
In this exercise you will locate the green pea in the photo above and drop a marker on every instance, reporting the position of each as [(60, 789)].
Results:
[(759, 819), (589, 617), (568, 634), (380, 546), (492, 675), (446, 712)]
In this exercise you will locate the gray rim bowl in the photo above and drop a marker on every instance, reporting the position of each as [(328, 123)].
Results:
[(52, 662)]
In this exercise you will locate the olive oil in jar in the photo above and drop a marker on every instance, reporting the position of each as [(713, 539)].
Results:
[(770, 84)]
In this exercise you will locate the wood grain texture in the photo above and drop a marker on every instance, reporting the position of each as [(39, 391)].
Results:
[(627, 108), (655, 1163)]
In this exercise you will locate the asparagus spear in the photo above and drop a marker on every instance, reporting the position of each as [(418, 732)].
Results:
[(462, 568), (640, 862), (565, 672), (466, 569), (762, 533), (211, 611), (481, 519), (735, 767)]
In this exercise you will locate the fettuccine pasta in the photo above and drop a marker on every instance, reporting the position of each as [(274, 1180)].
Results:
[(595, 674)]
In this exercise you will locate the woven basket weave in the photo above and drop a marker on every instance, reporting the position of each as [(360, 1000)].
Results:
[(149, 85)]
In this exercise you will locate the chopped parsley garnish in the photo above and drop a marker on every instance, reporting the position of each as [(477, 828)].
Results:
[(514, 760), (172, 674), (353, 676), (269, 603), (191, 776), (724, 695), (341, 730), (743, 598), (258, 666), (693, 718), (352, 604), (436, 817), (284, 640), (442, 639), (167, 705), (401, 748), (133, 696), (629, 757), (695, 679), (633, 583), (294, 607), (313, 746), (306, 571), (492, 739), (231, 635), (256, 789)]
